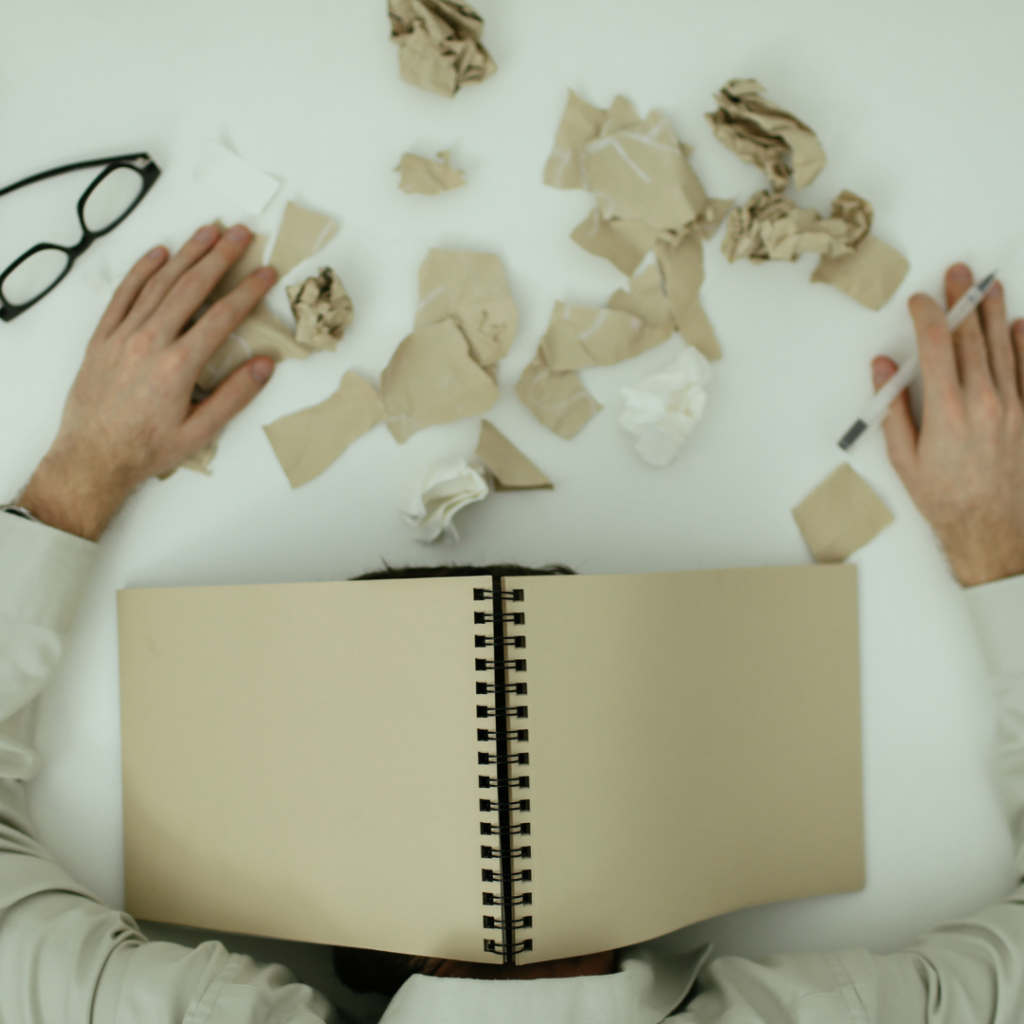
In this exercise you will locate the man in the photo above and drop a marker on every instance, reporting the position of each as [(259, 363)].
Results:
[(67, 959)]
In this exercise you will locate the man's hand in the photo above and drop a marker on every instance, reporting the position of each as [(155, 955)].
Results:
[(130, 413), (964, 468)]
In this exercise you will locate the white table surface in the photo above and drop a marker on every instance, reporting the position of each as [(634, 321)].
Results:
[(917, 104)]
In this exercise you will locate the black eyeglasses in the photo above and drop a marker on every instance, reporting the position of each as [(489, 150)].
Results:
[(113, 194)]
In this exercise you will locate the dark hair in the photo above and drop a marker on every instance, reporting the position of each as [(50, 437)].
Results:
[(373, 970)]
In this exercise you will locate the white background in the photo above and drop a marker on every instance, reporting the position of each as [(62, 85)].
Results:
[(917, 105)]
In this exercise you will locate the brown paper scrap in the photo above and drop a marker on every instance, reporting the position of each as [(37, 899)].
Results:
[(427, 177), (772, 226), (624, 242), (683, 270), (308, 441), (840, 515), (870, 274), (198, 461), (557, 398), (647, 299), (439, 44), (580, 123), (579, 336), (432, 378), (322, 310), (262, 334), (510, 469), (470, 288), (303, 233), (765, 135)]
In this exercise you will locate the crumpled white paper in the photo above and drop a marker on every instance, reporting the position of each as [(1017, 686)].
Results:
[(662, 410), (447, 488)]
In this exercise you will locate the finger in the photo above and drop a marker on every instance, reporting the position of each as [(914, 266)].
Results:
[(128, 291), (193, 287), (225, 315), (210, 416), (940, 381), (1000, 348), (968, 339), (157, 287), (1018, 337), (898, 426)]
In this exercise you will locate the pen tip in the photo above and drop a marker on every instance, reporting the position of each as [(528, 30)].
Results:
[(852, 434)]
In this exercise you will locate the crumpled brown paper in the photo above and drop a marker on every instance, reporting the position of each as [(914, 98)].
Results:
[(509, 468), (308, 441), (765, 135), (470, 288), (439, 44), (303, 233), (840, 515), (427, 177), (556, 397), (771, 226), (322, 310), (432, 378)]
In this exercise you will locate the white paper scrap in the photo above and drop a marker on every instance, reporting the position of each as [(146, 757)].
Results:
[(662, 410), (447, 488), (235, 178)]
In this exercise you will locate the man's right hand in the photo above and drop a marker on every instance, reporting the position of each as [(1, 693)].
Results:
[(964, 467)]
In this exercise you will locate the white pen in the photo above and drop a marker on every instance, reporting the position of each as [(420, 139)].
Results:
[(878, 407)]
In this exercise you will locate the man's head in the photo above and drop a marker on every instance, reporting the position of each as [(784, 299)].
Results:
[(369, 970)]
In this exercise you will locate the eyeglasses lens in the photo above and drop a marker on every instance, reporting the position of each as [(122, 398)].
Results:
[(33, 276), (112, 198)]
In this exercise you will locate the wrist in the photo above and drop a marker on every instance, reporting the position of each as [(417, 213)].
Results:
[(65, 494)]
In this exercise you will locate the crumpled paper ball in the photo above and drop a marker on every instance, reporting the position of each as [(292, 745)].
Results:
[(445, 490), (322, 310), (662, 410)]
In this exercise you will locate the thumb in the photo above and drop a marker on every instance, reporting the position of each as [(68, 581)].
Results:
[(898, 426), (232, 395)]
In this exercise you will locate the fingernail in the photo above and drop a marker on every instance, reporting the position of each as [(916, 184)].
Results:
[(207, 234), (156, 254), (238, 233), (959, 272), (267, 274), (261, 370), (996, 289)]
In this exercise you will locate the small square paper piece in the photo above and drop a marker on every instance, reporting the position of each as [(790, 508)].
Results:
[(840, 515)]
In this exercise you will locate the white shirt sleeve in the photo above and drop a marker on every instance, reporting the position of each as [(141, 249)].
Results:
[(65, 957)]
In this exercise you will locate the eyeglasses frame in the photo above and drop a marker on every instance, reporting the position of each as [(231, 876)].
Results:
[(142, 163)]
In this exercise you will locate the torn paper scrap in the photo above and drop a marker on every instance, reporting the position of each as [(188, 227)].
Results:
[(428, 177), (235, 178), (770, 226), (261, 334), (445, 490), (765, 135), (322, 310), (647, 300), (580, 123), (870, 274), (579, 336), (308, 441), (198, 461), (556, 397), (432, 378), (303, 233), (439, 44), (623, 242), (470, 288), (683, 270), (662, 410), (840, 515), (250, 260), (509, 468)]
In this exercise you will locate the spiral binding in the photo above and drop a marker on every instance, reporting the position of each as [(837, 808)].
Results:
[(509, 826)]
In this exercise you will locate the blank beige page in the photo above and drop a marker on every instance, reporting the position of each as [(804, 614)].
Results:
[(694, 744), (300, 761)]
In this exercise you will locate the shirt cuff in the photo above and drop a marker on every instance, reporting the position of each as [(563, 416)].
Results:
[(998, 612), (43, 572)]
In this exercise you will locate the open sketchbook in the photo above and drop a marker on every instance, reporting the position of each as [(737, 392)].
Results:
[(520, 769)]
